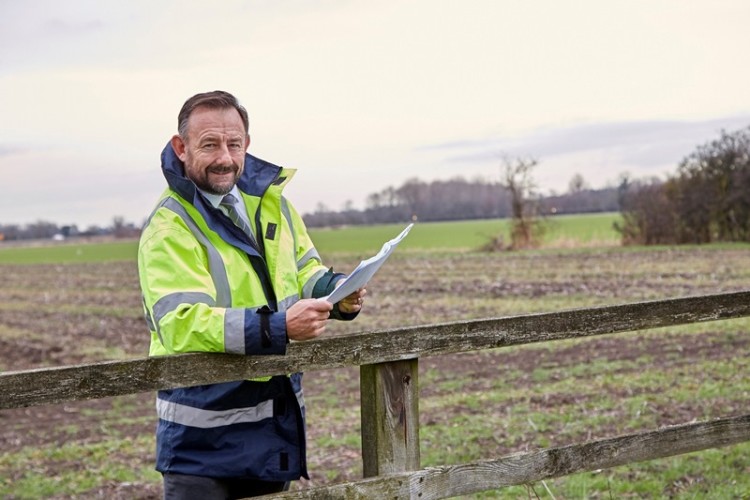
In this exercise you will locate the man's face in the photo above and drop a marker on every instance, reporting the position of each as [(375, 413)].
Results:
[(214, 150)]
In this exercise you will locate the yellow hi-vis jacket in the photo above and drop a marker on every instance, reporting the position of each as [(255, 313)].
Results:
[(208, 287)]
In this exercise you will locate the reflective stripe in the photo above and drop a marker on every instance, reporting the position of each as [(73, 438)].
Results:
[(151, 216), (307, 288), (300, 398), (149, 321), (288, 216), (311, 254), (207, 419), (234, 331), (288, 302), (215, 263), (170, 302)]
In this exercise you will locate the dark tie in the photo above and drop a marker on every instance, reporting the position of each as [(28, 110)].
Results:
[(229, 202)]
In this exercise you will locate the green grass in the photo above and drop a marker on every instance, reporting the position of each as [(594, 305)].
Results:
[(584, 228), (717, 473), (679, 477), (568, 230), (57, 470), (581, 230), (54, 253)]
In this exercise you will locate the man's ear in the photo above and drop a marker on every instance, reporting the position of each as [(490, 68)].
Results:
[(178, 144), (247, 142)]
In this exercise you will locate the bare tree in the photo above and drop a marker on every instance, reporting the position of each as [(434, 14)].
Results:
[(526, 225), (577, 184), (415, 196)]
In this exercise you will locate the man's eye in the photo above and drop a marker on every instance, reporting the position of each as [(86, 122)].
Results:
[(235, 146), (209, 146)]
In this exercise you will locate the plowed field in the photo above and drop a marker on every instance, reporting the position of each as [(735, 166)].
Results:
[(473, 406)]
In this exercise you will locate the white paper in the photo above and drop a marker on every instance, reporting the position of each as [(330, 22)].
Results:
[(366, 269)]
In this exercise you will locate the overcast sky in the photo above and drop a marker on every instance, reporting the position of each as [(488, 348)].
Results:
[(359, 95)]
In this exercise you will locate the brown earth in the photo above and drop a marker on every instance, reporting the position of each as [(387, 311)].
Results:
[(53, 315)]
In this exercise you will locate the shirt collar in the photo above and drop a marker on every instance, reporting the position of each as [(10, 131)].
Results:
[(215, 199)]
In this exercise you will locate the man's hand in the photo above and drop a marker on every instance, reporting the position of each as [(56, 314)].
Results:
[(353, 303), (307, 319)]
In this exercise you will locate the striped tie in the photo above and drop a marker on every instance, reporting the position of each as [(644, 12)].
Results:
[(229, 202)]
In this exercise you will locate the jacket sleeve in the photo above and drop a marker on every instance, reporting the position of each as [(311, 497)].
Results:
[(315, 280), (310, 268), (183, 306)]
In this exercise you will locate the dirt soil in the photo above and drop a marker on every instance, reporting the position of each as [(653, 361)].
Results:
[(53, 315)]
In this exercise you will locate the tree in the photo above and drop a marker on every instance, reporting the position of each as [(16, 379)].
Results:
[(715, 178), (577, 184), (648, 216), (119, 227), (414, 195), (41, 229), (526, 227), (707, 200)]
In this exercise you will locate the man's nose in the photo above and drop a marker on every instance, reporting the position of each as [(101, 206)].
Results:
[(223, 155)]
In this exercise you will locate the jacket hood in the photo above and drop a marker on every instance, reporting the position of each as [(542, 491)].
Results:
[(255, 179)]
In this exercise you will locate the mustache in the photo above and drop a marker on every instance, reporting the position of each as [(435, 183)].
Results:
[(223, 169)]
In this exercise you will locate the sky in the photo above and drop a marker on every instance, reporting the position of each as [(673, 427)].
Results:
[(358, 95)]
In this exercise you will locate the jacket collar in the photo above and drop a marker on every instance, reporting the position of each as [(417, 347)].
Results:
[(255, 179)]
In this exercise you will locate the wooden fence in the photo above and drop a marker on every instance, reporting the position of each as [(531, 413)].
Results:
[(389, 387)]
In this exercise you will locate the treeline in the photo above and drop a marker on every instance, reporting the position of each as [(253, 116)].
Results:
[(457, 199), (49, 230), (707, 200)]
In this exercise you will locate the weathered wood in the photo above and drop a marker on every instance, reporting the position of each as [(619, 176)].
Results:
[(44, 386), (390, 417), (526, 468)]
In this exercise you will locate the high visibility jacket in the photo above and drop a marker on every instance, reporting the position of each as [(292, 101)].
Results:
[(207, 287)]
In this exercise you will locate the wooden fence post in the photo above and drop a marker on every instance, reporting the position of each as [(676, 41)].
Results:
[(390, 417)]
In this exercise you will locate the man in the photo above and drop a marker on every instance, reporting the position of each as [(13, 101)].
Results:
[(226, 265)]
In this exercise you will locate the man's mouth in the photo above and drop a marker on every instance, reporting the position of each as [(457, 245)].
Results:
[(222, 170)]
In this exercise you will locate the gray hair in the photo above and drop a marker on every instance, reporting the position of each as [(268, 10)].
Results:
[(217, 99)]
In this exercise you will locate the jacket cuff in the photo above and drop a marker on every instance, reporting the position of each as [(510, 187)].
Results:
[(326, 283), (265, 331), (336, 313)]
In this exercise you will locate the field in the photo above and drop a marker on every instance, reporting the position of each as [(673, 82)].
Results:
[(66, 310), (581, 230)]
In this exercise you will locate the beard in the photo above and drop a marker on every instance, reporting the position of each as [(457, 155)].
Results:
[(204, 182)]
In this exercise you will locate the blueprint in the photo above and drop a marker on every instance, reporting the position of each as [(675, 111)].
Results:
[(366, 269)]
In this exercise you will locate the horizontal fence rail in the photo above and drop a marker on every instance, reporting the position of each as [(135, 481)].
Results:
[(527, 468), (115, 378)]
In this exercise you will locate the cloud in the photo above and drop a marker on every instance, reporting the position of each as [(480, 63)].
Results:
[(70, 186), (641, 142), (12, 150), (347, 90), (44, 34), (598, 151)]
